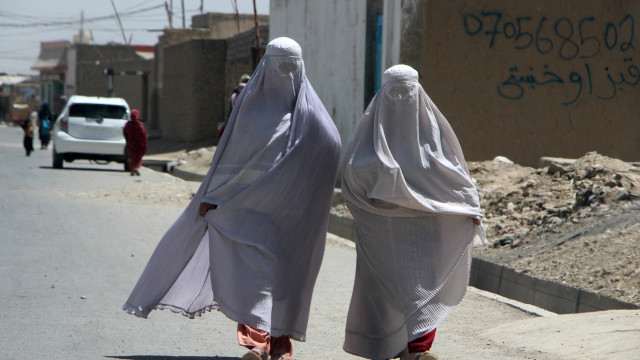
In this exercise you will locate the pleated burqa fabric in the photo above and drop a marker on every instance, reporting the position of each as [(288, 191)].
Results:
[(405, 180), (257, 255)]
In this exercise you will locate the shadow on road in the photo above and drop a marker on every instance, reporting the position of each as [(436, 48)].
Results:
[(84, 169), (162, 357)]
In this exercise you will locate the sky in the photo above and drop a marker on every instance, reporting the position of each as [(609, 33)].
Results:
[(25, 23)]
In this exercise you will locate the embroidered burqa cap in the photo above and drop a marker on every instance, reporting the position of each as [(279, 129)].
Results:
[(257, 255), (405, 180)]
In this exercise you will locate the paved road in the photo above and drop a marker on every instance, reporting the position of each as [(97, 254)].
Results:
[(67, 264)]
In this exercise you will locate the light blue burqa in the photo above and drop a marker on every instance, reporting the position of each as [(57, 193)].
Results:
[(416, 210), (256, 257)]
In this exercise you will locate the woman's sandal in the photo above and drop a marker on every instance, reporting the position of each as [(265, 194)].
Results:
[(255, 354), (405, 355), (423, 356)]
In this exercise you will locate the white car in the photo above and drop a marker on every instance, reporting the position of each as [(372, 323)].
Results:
[(91, 128)]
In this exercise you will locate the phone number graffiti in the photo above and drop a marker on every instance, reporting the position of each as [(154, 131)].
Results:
[(570, 40)]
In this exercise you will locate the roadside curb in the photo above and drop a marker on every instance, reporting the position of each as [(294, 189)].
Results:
[(155, 164), (546, 294), (528, 308), (185, 175), (171, 167), (508, 283)]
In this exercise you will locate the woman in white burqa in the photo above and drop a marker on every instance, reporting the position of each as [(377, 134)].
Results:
[(417, 214), (251, 241)]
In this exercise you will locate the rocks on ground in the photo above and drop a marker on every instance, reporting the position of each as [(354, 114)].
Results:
[(577, 224)]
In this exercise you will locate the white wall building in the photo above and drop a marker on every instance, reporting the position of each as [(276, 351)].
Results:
[(332, 35)]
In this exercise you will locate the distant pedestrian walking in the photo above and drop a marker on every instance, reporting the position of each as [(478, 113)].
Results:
[(34, 116), (137, 142), (27, 141), (244, 79), (44, 125), (417, 214), (251, 242)]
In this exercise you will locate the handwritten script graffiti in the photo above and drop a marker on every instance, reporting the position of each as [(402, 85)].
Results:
[(567, 40), (515, 85)]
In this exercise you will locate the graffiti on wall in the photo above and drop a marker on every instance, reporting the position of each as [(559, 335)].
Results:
[(579, 42)]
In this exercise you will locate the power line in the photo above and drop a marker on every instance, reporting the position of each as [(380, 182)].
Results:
[(75, 22), (10, 14), (30, 31), (139, 4), (124, 37), (25, 58)]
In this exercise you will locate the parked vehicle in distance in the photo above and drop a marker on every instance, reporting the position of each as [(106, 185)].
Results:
[(90, 128)]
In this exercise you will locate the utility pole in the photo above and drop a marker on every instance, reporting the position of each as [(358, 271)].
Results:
[(237, 14), (169, 14), (82, 27), (183, 25), (124, 37)]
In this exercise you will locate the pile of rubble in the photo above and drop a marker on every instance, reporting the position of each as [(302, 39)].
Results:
[(575, 223), (519, 200)]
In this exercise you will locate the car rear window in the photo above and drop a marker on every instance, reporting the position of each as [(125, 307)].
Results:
[(98, 110)]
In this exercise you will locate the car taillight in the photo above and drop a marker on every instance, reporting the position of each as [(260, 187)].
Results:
[(64, 124)]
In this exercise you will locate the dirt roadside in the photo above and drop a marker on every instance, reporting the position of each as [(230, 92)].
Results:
[(576, 224)]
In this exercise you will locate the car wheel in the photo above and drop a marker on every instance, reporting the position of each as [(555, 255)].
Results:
[(57, 159)]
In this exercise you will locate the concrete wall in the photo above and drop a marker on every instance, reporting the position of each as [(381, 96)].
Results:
[(528, 79), (129, 86), (222, 26), (193, 94), (241, 59), (392, 32), (333, 40), (95, 56), (168, 37), (70, 78), (217, 73), (86, 74)]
